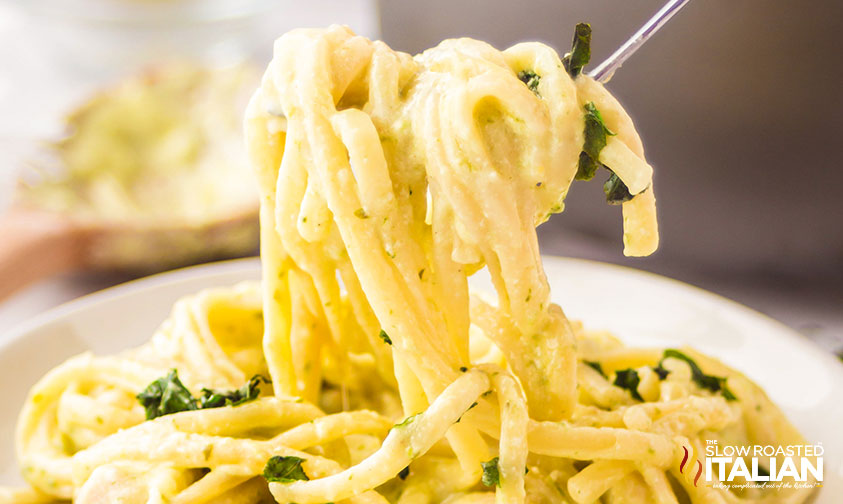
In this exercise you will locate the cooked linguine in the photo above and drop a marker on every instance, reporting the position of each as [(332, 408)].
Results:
[(386, 181)]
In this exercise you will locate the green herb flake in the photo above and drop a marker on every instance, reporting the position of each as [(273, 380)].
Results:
[(616, 191), (727, 394), (628, 379), (165, 396), (708, 382), (385, 337), (407, 421), (491, 473), (210, 398), (168, 395), (580, 53), (595, 366), (280, 469), (404, 473), (531, 79), (661, 372), (361, 214), (596, 133)]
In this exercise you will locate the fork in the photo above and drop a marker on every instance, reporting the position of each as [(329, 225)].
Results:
[(604, 71)]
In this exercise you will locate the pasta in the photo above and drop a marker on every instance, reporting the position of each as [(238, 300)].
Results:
[(386, 182)]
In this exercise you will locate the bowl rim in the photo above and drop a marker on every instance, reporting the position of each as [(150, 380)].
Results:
[(21, 329), (128, 288)]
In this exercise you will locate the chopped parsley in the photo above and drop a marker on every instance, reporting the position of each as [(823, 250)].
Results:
[(580, 53), (385, 337), (531, 79), (595, 366), (491, 473), (628, 379), (705, 381), (210, 398), (165, 396), (361, 214), (280, 469), (168, 395)]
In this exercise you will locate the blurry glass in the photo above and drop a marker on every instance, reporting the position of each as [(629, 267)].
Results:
[(129, 112), (54, 54)]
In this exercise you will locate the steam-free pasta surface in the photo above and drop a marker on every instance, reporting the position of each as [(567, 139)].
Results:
[(386, 181)]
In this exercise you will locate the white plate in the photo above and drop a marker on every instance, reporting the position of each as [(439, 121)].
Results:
[(802, 379)]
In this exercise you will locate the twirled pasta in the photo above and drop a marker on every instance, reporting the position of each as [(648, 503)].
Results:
[(387, 180)]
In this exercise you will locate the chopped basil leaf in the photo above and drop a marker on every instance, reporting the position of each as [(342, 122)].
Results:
[(662, 372), (385, 337), (708, 382), (595, 366), (628, 379), (532, 80), (580, 53), (466, 411), (727, 394), (168, 395), (586, 167), (404, 473), (596, 133), (280, 469), (491, 473), (165, 396), (616, 191), (210, 398), (595, 139)]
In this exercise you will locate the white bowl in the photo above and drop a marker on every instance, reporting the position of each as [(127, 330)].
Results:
[(641, 308)]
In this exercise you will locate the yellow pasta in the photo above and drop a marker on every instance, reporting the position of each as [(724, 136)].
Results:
[(387, 181)]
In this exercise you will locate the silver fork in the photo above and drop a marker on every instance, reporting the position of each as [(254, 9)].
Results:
[(604, 71)]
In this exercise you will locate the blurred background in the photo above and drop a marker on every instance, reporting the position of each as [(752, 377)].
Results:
[(739, 104)]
